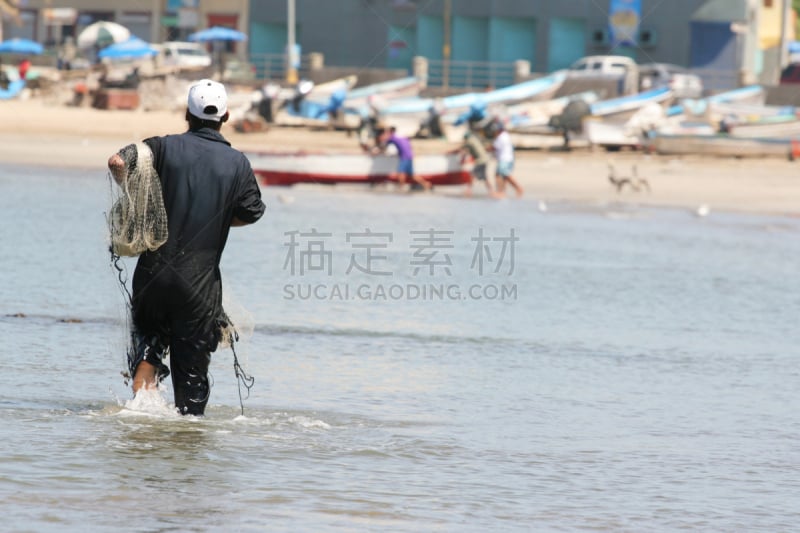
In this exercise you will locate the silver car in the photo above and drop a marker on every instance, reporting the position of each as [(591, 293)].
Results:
[(683, 83)]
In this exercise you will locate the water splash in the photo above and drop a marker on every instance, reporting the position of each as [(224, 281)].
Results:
[(150, 402)]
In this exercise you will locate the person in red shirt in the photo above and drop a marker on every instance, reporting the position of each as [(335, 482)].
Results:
[(24, 65)]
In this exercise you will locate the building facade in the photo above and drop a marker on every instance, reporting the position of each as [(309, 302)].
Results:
[(713, 35), (52, 21), (740, 39)]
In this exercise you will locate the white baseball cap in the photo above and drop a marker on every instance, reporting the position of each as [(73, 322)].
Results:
[(208, 100)]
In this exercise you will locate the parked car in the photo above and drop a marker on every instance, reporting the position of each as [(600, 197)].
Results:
[(683, 83), (592, 69), (594, 65), (183, 54), (790, 75)]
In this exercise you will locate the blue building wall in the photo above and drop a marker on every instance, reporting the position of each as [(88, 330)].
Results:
[(430, 36), (512, 39), (713, 45), (470, 39), (566, 42), (402, 47), (550, 34), (267, 38)]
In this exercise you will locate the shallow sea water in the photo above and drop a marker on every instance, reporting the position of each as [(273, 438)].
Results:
[(639, 373)]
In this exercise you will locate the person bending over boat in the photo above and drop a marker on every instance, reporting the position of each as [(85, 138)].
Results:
[(473, 148), (176, 305), (405, 167)]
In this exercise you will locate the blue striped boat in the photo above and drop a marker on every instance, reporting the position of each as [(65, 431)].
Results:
[(546, 85)]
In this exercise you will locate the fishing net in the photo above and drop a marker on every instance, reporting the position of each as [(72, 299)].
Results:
[(138, 223), (138, 219)]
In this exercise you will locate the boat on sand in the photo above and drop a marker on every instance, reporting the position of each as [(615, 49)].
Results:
[(285, 169)]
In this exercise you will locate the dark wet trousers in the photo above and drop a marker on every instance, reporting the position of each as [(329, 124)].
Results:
[(191, 386)]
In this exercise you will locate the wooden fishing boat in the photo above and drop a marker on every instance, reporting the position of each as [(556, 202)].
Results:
[(529, 123), (775, 128), (13, 90), (720, 145), (713, 108), (541, 88), (313, 109), (623, 121), (624, 107), (408, 87), (409, 114), (614, 133), (323, 90), (285, 169), (530, 116), (360, 102)]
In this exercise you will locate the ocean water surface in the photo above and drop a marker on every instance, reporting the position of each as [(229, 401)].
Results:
[(421, 362)]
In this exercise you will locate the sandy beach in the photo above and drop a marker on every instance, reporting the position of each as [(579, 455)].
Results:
[(33, 133)]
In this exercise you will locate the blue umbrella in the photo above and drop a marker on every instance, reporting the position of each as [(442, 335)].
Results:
[(133, 47), (21, 46), (218, 33)]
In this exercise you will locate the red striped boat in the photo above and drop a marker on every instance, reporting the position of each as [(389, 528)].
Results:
[(285, 169)]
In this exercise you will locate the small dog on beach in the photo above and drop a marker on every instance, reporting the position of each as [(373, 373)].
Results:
[(634, 182)]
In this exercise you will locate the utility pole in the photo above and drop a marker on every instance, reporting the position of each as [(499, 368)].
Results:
[(448, 9), (784, 51), (291, 70)]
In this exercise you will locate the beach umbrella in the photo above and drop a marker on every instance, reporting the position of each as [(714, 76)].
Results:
[(217, 33), (21, 46), (133, 47), (102, 34)]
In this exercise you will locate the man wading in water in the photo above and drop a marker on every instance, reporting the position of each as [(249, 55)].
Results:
[(176, 306)]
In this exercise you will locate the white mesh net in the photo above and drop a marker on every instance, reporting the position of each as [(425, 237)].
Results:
[(138, 219)]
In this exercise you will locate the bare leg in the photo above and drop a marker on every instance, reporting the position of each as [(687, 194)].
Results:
[(422, 181), (516, 185), (144, 377), (490, 189), (468, 188), (501, 186)]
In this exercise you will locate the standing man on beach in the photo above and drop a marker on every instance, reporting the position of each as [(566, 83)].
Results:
[(208, 187), (504, 153)]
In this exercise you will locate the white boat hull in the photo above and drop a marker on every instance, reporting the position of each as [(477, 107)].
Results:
[(285, 169), (720, 145)]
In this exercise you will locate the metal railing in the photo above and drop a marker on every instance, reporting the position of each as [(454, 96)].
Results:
[(465, 75), (469, 74), (273, 66)]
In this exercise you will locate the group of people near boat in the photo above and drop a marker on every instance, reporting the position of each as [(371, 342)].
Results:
[(478, 142), (474, 147)]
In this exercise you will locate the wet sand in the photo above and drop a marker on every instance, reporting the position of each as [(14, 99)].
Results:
[(33, 133)]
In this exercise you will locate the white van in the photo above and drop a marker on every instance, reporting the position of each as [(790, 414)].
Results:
[(594, 65), (608, 67), (181, 54)]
